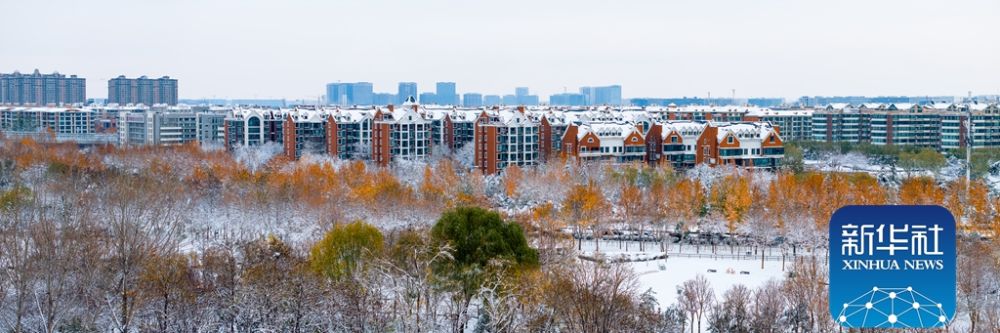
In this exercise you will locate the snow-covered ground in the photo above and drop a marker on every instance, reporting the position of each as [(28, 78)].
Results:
[(664, 276)]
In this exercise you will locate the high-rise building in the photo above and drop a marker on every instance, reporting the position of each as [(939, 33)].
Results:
[(446, 94), (522, 97), (568, 99), (383, 98), (492, 100), (336, 94), (608, 95), (510, 100), (41, 89), (472, 100), (345, 94), (406, 90), (428, 98), (143, 90), (521, 91), (360, 93)]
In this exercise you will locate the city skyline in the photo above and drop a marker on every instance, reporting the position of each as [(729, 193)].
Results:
[(759, 49)]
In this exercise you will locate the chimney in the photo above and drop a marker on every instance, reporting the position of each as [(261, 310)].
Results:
[(520, 109), (391, 107)]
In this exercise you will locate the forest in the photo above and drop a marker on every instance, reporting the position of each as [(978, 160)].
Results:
[(199, 239)]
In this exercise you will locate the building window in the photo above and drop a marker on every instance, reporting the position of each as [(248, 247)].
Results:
[(772, 139), (590, 140), (730, 139), (673, 139)]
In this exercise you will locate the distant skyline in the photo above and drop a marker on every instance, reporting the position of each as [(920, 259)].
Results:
[(292, 49)]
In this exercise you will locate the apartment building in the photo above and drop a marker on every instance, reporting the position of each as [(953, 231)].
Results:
[(983, 131), (42, 89), (142, 90), (350, 134), (551, 126), (505, 138), (305, 132), (211, 125), (253, 127), (58, 123), (792, 124), (908, 128), (156, 127), (841, 125), (400, 134), (728, 113)]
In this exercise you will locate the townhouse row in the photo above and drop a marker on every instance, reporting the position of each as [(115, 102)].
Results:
[(502, 138)]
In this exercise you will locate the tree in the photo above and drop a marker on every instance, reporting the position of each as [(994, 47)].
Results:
[(584, 205), (483, 244), (594, 297), (696, 298), (346, 248), (793, 158), (142, 221), (765, 315), (920, 191), (733, 313)]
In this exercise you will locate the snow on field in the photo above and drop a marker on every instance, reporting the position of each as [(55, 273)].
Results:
[(664, 276)]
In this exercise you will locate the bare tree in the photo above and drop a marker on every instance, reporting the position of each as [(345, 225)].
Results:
[(733, 313), (696, 298), (593, 297), (767, 308), (976, 283), (142, 220), (18, 207)]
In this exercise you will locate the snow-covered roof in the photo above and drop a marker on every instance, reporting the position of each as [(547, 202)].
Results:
[(744, 130), (607, 130), (682, 127), (780, 113)]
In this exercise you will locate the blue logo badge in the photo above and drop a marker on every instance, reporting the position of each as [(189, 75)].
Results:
[(892, 266)]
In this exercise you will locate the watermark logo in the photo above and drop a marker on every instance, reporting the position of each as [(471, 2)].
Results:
[(892, 266)]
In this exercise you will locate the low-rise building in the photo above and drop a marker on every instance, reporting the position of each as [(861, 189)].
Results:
[(674, 142), (613, 142), (756, 145), (154, 127)]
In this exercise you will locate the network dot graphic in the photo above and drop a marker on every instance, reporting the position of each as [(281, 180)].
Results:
[(892, 308)]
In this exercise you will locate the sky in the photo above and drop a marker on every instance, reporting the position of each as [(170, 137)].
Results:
[(653, 48)]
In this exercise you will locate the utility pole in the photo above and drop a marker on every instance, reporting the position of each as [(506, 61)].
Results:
[(968, 152)]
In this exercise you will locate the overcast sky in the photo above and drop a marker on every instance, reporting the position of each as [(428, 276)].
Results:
[(291, 48)]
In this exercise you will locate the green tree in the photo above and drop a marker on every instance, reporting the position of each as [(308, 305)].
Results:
[(345, 248), (925, 158), (483, 245), (794, 158), (479, 236)]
